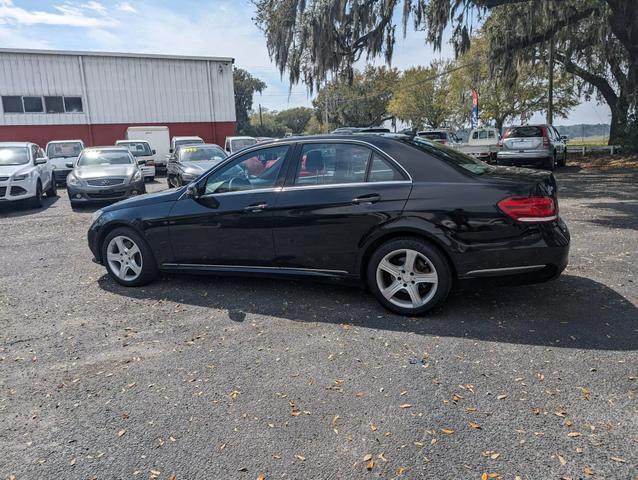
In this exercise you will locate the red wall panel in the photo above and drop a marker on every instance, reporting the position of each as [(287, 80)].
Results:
[(215, 132)]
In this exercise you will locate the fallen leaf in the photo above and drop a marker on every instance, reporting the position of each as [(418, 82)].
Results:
[(406, 405), (588, 471), (261, 477), (301, 457), (574, 434), (172, 477), (456, 397), (585, 392), (619, 460), (447, 431), (381, 457), (121, 432), (370, 465), (502, 397), (484, 476), (495, 455), (400, 471), (404, 392), (475, 425), (234, 394), (72, 462), (368, 457), (561, 459), (373, 427)]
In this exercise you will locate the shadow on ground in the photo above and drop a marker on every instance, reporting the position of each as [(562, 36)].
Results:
[(570, 312), (22, 209)]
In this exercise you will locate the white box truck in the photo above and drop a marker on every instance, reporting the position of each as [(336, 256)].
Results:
[(158, 137)]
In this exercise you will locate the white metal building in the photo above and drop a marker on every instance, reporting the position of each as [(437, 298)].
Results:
[(58, 95)]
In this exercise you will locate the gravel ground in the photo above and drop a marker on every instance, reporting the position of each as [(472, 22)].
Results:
[(233, 378)]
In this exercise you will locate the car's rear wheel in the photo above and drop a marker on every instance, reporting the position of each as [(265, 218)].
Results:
[(409, 276), (550, 163), (36, 201), (168, 180), (128, 258)]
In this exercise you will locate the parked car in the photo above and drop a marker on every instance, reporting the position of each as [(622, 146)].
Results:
[(235, 144), (159, 139), (483, 143), (179, 141), (442, 136), (264, 139), (25, 174), (375, 210), (61, 152), (189, 161), (104, 174), (539, 146), (144, 155)]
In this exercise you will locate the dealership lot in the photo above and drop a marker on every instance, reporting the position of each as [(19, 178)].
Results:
[(232, 377)]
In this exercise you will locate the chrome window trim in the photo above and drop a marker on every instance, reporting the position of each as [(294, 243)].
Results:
[(343, 185)]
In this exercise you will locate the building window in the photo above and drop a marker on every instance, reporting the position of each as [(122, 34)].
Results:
[(12, 105), (73, 104), (54, 104), (32, 104)]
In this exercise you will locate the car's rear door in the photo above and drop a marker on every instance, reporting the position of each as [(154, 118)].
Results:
[(336, 192)]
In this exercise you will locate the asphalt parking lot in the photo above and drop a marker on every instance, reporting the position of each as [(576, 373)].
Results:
[(234, 378)]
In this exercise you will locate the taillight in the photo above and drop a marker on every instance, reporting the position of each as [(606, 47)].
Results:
[(150, 163), (545, 137), (530, 209)]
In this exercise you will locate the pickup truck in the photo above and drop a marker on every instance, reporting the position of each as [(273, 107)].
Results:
[(483, 143)]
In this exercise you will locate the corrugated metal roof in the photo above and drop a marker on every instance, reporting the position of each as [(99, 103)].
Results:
[(26, 51)]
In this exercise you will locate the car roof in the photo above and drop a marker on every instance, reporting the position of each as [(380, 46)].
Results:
[(187, 137), (199, 145), (109, 147), (77, 140), (16, 144), (241, 137)]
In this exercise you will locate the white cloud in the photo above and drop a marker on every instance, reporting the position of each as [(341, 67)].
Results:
[(126, 7), (70, 15)]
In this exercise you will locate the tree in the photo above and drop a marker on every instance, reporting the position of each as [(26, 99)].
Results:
[(362, 102), (596, 40), (266, 124), (421, 97), (245, 88), (295, 119), (503, 98)]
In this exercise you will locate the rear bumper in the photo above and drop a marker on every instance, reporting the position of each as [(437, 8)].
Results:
[(546, 250), (536, 158)]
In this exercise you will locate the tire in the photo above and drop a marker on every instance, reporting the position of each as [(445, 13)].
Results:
[(36, 202), (430, 264), (168, 180), (53, 189), (550, 163), (150, 179), (120, 245), (564, 162)]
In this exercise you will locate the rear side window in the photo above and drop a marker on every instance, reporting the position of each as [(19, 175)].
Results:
[(524, 132), (383, 171), (331, 164)]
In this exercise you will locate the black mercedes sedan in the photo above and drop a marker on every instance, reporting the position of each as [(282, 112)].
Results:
[(403, 216)]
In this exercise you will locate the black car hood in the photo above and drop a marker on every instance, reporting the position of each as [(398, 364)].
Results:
[(147, 199)]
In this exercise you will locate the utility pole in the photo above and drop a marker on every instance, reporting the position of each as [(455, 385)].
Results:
[(261, 118), (550, 106)]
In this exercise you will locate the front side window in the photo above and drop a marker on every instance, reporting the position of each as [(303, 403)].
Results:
[(14, 156), (332, 163), (93, 158), (254, 170), (66, 149)]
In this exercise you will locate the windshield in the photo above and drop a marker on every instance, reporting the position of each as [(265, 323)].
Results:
[(433, 135), (524, 132), (138, 149), (450, 155), (196, 154), (67, 149), (193, 141), (14, 156), (104, 157), (241, 143)]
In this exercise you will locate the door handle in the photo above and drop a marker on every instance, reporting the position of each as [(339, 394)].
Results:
[(257, 207), (367, 199)]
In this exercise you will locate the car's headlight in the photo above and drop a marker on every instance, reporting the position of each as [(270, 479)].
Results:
[(72, 180), (95, 216), (19, 178), (137, 176)]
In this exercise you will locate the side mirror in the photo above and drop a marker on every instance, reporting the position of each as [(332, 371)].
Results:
[(192, 191), (40, 161), (154, 152), (170, 150), (69, 164), (564, 138), (141, 162)]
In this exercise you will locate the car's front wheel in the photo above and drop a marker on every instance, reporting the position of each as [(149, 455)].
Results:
[(53, 189), (409, 276), (36, 201), (128, 258)]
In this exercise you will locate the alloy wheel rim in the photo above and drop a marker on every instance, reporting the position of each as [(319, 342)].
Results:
[(124, 258), (407, 278)]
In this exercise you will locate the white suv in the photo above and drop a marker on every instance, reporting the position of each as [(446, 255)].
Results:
[(25, 173)]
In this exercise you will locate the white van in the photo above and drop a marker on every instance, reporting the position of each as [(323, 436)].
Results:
[(235, 144), (179, 141), (158, 138)]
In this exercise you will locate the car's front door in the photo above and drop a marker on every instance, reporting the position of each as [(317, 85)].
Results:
[(338, 193), (228, 221)]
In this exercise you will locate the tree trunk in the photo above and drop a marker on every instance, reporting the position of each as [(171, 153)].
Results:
[(619, 112)]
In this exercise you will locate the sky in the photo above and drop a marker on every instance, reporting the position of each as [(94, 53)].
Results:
[(216, 28)]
